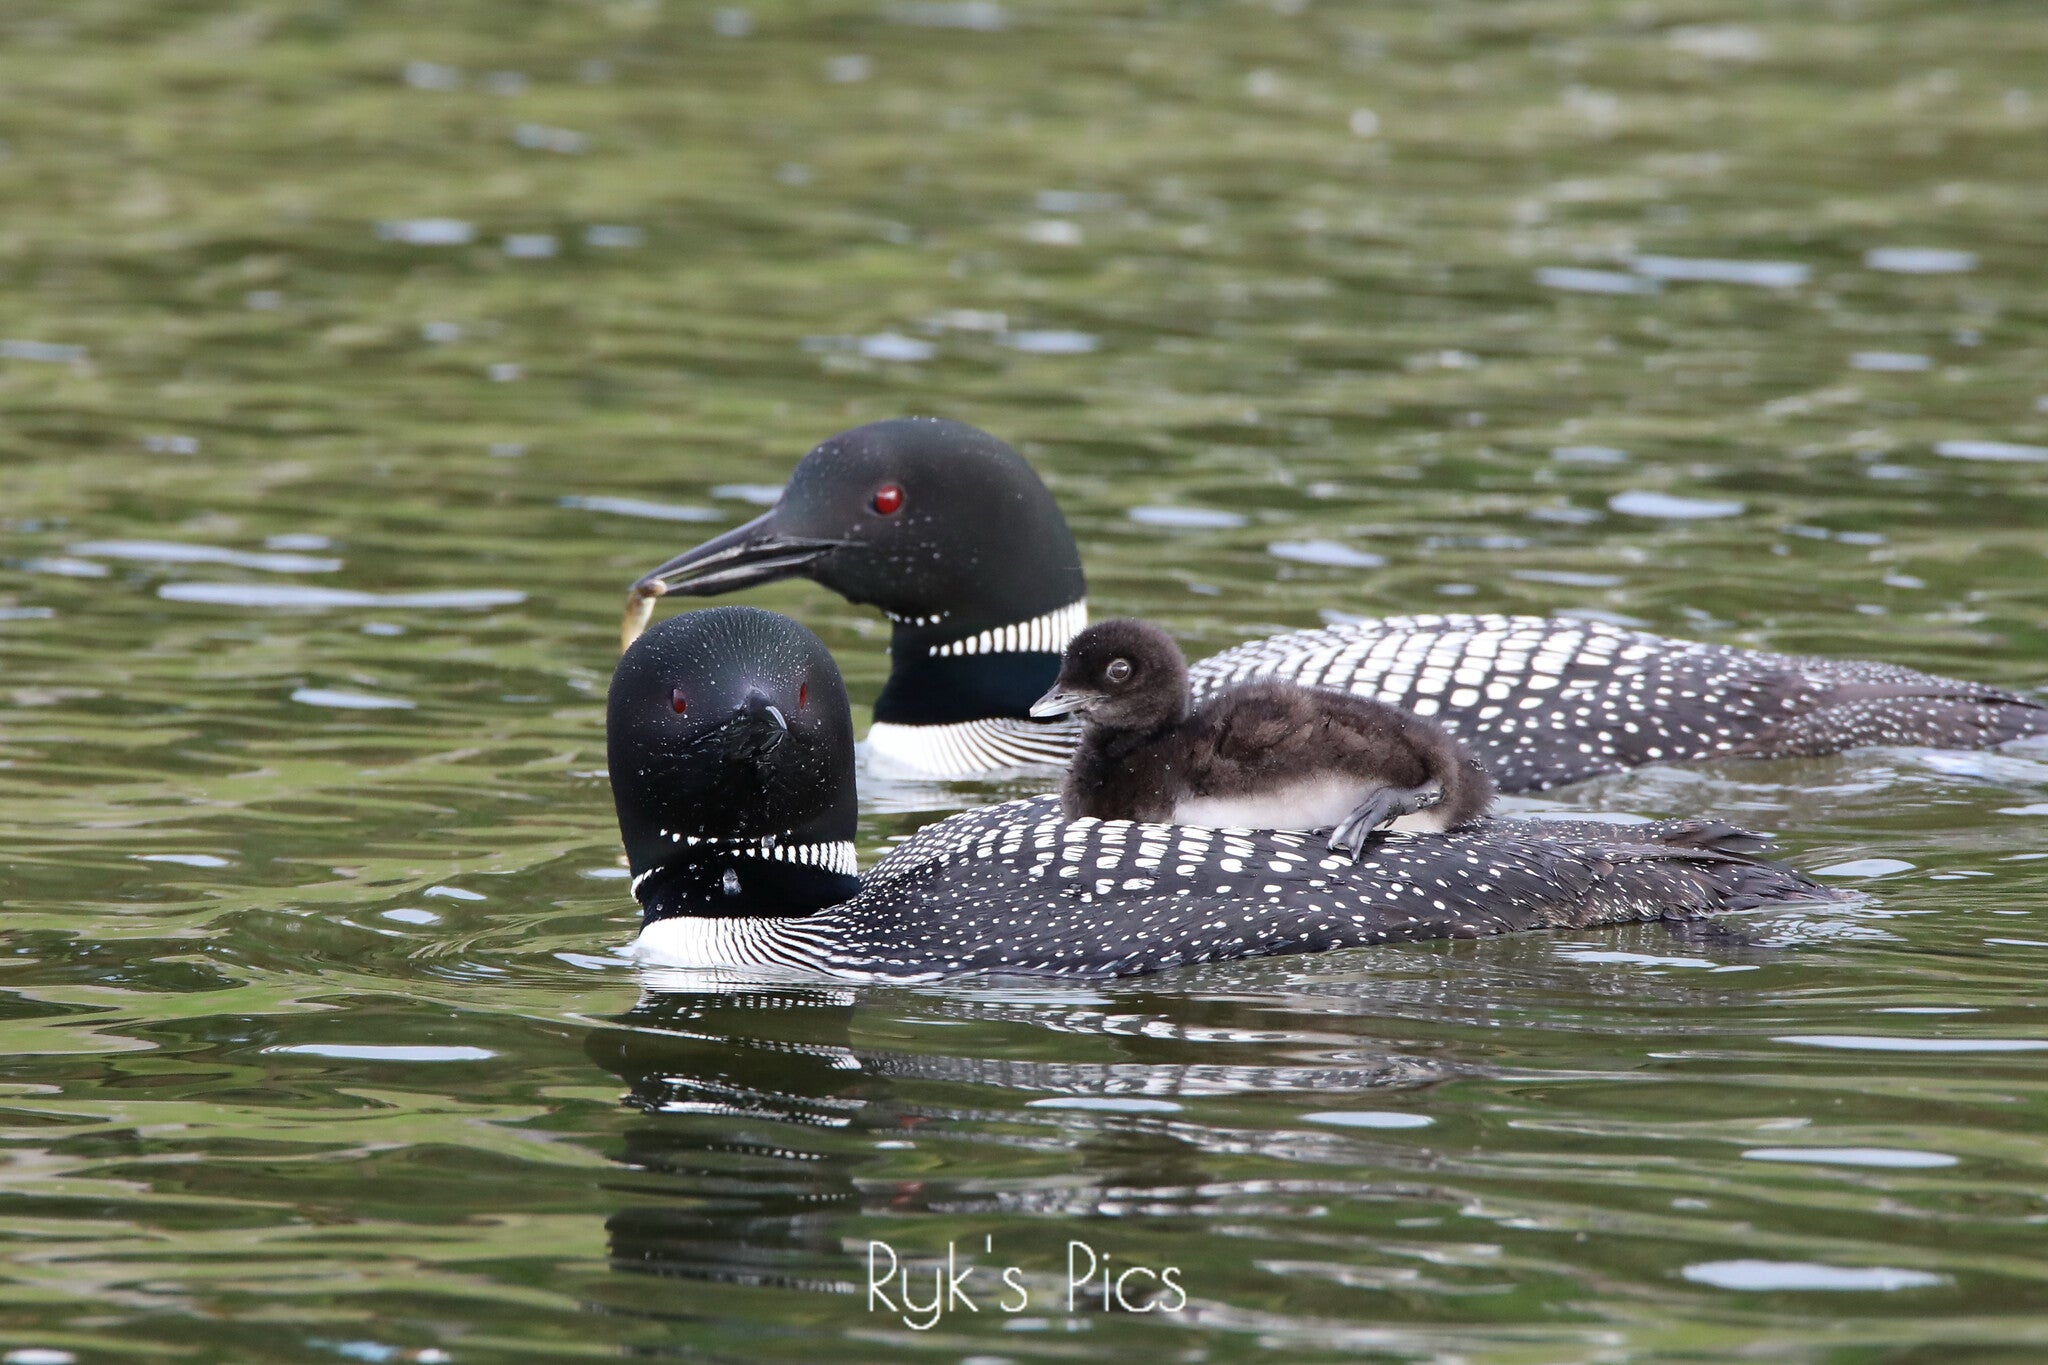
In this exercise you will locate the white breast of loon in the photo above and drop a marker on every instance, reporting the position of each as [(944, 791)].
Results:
[(773, 947), (970, 748)]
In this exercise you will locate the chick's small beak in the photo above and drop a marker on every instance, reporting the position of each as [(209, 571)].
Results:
[(1059, 703)]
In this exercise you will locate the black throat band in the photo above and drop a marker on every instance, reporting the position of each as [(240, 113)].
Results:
[(719, 884)]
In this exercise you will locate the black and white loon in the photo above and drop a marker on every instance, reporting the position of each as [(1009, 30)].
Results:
[(732, 765), (1265, 754), (953, 536)]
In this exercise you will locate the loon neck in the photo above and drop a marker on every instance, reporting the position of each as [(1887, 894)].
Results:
[(776, 876), (1111, 743), (943, 671)]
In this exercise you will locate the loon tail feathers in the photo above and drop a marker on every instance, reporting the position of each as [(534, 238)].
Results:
[(1812, 713), (1673, 869), (1750, 884)]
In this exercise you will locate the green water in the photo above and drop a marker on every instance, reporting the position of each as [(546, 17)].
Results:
[(1276, 261)]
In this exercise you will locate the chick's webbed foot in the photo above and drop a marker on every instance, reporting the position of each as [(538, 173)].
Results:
[(1382, 808)]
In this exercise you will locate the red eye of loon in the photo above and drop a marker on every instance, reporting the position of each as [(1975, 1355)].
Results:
[(803, 696), (677, 702), (888, 499)]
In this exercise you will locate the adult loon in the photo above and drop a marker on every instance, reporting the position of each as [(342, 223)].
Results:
[(953, 536), (1270, 755), (732, 765)]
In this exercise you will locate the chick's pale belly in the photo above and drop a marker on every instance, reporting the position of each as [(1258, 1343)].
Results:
[(1314, 803)]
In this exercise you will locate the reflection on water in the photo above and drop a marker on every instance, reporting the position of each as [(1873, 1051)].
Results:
[(711, 1064), (781, 1132), (353, 360)]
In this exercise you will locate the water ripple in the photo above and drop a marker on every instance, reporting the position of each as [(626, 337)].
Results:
[(295, 597)]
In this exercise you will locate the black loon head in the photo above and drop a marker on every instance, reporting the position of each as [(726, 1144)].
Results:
[(1120, 675), (944, 528), (731, 754), (937, 523)]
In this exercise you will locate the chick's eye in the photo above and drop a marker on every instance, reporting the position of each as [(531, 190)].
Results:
[(888, 499), (677, 702), (1119, 670)]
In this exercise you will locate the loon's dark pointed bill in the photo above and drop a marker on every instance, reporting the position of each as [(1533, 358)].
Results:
[(749, 733), (754, 553), (757, 552), (1059, 703)]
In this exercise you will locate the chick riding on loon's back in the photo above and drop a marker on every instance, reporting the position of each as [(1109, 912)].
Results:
[(953, 536), (1265, 755), (732, 767)]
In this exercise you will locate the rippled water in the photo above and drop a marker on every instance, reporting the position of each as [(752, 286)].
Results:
[(353, 357)]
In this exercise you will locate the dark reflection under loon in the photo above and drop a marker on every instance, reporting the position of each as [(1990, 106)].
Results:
[(730, 1183)]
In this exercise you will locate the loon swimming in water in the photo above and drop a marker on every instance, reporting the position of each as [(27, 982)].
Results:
[(953, 536), (732, 765), (1268, 755)]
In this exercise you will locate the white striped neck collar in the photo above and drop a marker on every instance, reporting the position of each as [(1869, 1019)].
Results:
[(1046, 634), (836, 856), (940, 676)]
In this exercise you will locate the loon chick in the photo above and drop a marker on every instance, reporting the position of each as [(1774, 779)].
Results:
[(731, 748), (952, 535), (1261, 755)]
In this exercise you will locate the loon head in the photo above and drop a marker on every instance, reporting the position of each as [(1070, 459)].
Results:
[(1120, 675), (731, 755), (940, 525)]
